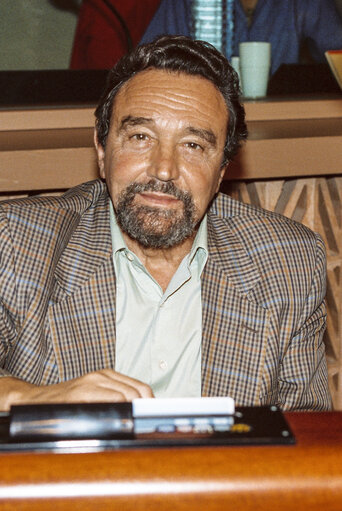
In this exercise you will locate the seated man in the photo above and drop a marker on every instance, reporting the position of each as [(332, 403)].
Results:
[(152, 282)]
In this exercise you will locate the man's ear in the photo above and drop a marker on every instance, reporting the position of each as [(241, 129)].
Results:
[(100, 155)]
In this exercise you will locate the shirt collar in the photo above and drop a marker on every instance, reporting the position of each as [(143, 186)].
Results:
[(118, 242)]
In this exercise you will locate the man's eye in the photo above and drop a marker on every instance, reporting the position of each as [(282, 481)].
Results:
[(139, 136), (194, 146)]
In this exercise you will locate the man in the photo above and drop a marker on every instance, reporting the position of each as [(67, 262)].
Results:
[(161, 287), (286, 24)]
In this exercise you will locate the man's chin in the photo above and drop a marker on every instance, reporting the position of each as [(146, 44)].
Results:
[(157, 232)]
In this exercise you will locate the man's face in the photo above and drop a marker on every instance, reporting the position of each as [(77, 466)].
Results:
[(162, 161)]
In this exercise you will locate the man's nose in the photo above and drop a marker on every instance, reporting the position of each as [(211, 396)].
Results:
[(164, 165)]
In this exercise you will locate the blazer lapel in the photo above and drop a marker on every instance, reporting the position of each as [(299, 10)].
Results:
[(235, 329), (82, 309)]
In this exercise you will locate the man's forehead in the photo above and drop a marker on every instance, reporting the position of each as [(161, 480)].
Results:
[(169, 88)]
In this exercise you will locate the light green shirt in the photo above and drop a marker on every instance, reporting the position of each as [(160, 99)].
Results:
[(158, 335)]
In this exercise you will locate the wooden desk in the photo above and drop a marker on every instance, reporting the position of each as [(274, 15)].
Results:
[(305, 476)]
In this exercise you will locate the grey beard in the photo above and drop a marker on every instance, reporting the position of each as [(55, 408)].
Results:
[(155, 227)]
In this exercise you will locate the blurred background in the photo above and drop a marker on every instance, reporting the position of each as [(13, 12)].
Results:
[(40, 34)]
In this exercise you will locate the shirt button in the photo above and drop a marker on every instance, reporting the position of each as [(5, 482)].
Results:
[(129, 256), (163, 365)]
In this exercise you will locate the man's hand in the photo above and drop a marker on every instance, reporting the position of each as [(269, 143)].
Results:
[(100, 386)]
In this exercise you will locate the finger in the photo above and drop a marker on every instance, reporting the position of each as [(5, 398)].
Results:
[(87, 389), (143, 390), (127, 391)]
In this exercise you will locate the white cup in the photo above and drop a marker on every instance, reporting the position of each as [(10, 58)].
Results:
[(255, 63)]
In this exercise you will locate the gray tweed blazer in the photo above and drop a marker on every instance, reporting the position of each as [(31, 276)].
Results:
[(263, 293)]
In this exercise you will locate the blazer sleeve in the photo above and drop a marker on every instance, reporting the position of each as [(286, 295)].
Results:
[(8, 321), (303, 380)]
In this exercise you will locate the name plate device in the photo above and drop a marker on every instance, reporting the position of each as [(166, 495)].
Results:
[(88, 427)]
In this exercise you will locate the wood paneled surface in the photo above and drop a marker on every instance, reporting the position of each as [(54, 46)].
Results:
[(301, 477)]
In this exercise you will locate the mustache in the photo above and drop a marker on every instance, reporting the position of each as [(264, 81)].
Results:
[(156, 186)]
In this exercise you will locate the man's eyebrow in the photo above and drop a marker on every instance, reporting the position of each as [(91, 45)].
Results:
[(130, 120), (207, 135)]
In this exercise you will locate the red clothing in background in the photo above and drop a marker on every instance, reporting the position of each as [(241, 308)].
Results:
[(100, 39)]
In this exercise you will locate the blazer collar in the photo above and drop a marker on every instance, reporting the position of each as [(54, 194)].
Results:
[(89, 246), (226, 248)]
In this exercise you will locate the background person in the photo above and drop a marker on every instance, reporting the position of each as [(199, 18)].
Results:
[(286, 24)]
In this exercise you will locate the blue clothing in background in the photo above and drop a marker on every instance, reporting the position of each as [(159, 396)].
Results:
[(284, 23)]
